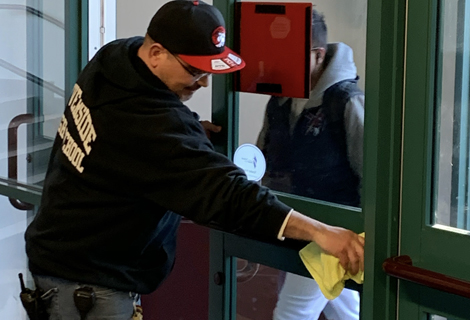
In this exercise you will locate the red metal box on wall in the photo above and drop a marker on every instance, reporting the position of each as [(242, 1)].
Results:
[(274, 40)]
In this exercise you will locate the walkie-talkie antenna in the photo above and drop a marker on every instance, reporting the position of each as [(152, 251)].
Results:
[(23, 288)]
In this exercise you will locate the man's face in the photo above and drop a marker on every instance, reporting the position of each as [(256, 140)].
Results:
[(317, 57), (180, 77)]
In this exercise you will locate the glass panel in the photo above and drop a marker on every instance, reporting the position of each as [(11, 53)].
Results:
[(31, 86), (264, 293), (31, 104), (309, 151), (452, 192), (257, 290)]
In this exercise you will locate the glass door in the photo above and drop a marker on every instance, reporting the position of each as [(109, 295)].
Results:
[(35, 73), (433, 260), (248, 275)]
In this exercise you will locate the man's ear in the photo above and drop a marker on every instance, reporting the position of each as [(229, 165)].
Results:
[(155, 54)]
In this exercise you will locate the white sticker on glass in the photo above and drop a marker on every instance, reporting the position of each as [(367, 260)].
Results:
[(250, 158)]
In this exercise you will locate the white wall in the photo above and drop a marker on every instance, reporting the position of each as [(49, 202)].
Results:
[(101, 24)]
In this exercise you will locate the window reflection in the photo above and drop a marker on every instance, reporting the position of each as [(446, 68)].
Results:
[(31, 93), (31, 87), (452, 173), (264, 293), (257, 290), (313, 148), (435, 317)]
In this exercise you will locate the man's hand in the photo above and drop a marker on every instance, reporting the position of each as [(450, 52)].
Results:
[(345, 245), (210, 127), (341, 243)]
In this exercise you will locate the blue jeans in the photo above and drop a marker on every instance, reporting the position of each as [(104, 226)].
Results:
[(110, 304)]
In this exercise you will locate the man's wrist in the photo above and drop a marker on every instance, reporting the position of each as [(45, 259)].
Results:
[(302, 227)]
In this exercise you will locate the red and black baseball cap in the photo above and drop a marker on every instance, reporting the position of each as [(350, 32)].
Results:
[(195, 31)]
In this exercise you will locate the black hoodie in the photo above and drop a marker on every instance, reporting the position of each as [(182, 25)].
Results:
[(128, 161)]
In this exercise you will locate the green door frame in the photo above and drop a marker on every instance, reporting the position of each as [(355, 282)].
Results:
[(76, 41), (430, 248), (382, 152), (381, 184)]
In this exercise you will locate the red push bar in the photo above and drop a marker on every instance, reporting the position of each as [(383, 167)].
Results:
[(401, 267)]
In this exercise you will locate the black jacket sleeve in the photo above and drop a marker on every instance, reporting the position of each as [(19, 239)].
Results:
[(164, 155)]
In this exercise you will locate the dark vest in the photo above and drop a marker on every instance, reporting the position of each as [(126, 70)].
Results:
[(315, 155)]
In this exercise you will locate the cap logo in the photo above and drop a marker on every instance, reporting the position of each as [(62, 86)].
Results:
[(236, 59), (218, 37), (230, 62), (218, 64)]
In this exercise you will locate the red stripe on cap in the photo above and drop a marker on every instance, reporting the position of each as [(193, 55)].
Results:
[(225, 62), (196, 3)]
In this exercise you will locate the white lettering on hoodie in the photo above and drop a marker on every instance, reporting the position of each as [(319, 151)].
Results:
[(84, 124)]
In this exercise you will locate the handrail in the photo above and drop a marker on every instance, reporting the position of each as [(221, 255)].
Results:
[(33, 11), (402, 267), (19, 190), (13, 154)]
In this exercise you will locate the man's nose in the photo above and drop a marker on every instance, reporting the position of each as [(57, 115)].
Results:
[(204, 81)]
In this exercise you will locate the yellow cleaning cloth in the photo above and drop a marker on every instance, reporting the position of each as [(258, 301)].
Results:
[(327, 271)]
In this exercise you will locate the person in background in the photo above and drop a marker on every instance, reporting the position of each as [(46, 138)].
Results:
[(130, 159), (313, 148)]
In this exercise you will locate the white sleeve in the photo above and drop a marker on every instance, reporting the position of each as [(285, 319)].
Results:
[(354, 127), (280, 235)]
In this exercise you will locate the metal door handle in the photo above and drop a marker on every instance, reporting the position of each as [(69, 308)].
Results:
[(13, 155), (402, 267)]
